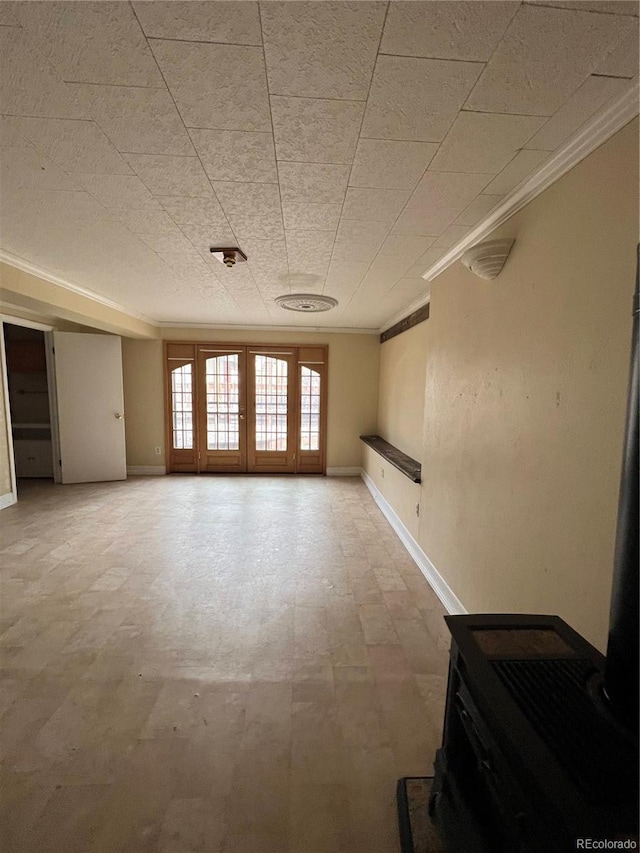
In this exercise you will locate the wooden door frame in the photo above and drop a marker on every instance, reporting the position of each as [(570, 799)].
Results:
[(289, 466), (215, 349), (297, 349)]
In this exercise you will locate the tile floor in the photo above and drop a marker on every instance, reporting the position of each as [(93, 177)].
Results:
[(218, 664)]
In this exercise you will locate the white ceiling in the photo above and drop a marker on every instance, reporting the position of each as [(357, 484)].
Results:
[(344, 146)]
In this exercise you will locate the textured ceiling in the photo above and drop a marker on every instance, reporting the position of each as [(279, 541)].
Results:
[(343, 146)]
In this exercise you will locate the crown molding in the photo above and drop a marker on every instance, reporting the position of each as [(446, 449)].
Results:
[(590, 136), (417, 303), (25, 266)]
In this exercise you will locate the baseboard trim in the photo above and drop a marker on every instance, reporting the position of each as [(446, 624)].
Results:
[(8, 500), (146, 470), (344, 472), (449, 599)]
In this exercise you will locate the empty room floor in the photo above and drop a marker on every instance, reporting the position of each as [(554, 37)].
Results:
[(220, 664)]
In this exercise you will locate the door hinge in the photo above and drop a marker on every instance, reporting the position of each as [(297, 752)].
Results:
[(418, 510), (60, 462)]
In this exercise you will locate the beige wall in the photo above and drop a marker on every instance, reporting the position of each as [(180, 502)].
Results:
[(401, 493), (403, 364), (525, 402), (20, 290), (352, 388), (143, 401)]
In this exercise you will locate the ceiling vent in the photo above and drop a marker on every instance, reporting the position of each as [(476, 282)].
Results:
[(308, 303), (487, 259)]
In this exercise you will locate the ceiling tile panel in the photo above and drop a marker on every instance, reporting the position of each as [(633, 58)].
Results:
[(416, 99), (453, 30), (147, 221), (450, 236), (236, 155), (10, 136), (484, 142), (309, 251), (449, 189), (264, 227), (610, 7), (594, 93), (197, 20), (165, 174), (201, 212), (408, 289), (623, 61), (25, 167), (374, 204), (316, 182), (522, 165), (124, 191), (359, 241), (168, 244), (478, 209), (77, 146), (186, 264), (309, 216), (248, 199), (438, 199), (266, 254), (312, 130), (217, 86), (141, 238), (405, 247), (28, 85), (377, 283), (136, 120), (203, 236), (424, 262), (385, 271), (7, 18), (91, 42), (343, 277), (532, 72), (424, 221), (321, 50), (390, 164)]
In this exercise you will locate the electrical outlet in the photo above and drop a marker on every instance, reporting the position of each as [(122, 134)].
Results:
[(158, 451)]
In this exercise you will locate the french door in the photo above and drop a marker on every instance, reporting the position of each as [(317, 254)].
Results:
[(246, 408)]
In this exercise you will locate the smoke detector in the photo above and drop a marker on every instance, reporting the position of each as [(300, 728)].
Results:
[(308, 303), (229, 257)]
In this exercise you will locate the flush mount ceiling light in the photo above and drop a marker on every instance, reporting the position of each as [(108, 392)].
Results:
[(228, 257), (487, 259), (308, 303)]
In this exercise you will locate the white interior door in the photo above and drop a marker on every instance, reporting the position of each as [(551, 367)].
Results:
[(90, 398)]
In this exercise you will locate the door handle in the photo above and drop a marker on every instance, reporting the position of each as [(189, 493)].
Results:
[(119, 416), (241, 417)]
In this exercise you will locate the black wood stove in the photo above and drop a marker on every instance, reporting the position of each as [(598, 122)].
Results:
[(532, 759)]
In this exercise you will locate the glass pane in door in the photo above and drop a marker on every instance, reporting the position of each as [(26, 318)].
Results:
[(309, 409), (271, 403), (182, 406), (222, 392)]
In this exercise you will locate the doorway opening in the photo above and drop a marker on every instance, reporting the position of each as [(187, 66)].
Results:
[(28, 390), (245, 408)]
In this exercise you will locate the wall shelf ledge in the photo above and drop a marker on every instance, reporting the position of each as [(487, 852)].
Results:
[(411, 468)]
